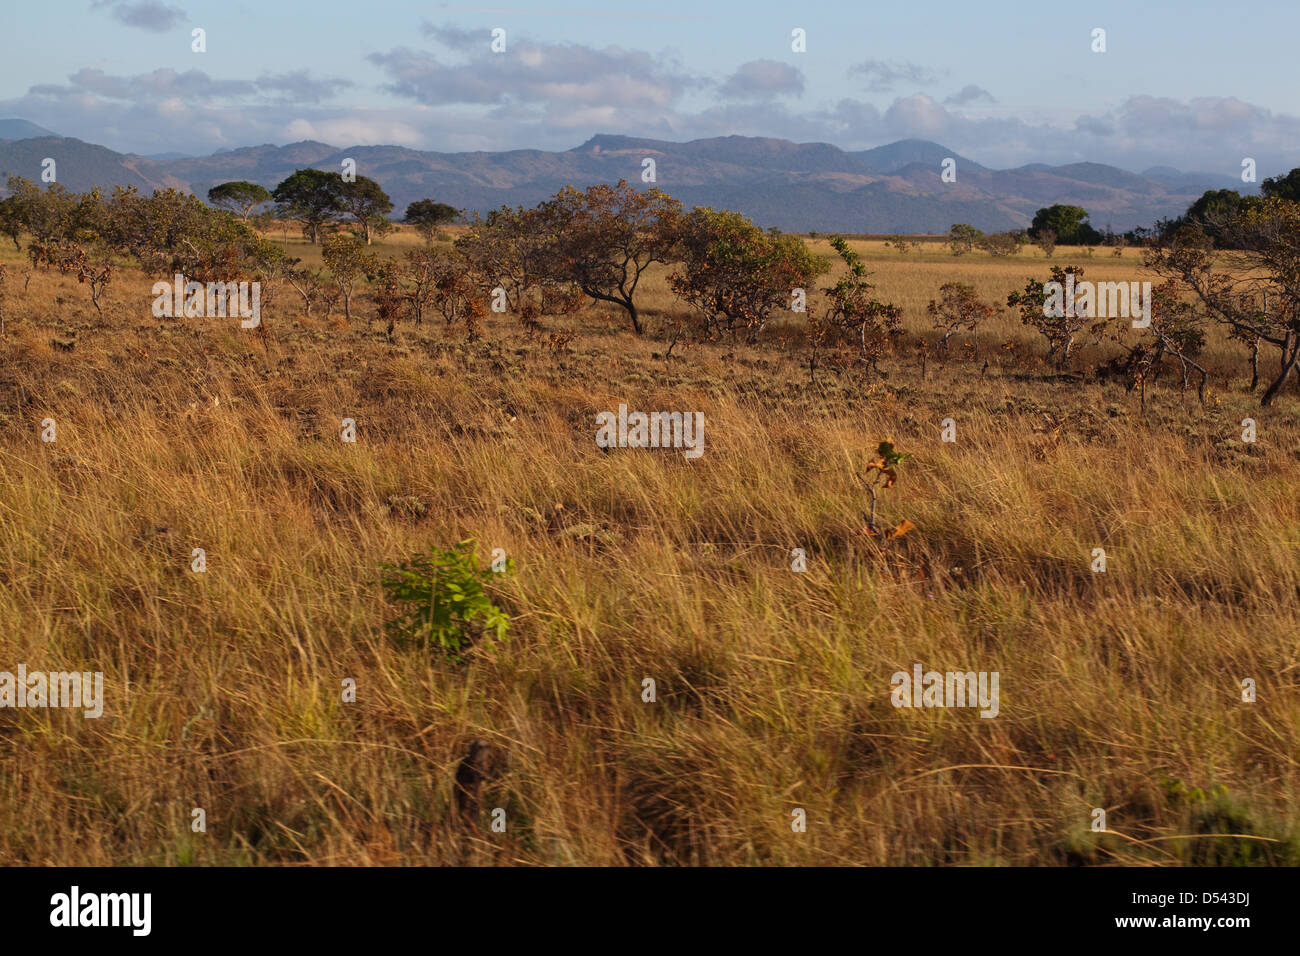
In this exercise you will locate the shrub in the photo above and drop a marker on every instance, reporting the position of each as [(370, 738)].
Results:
[(1058, 327), (853, 320), (962, 238), (1002, 243), (1046, 240), (736, 274), (347, 260), (959, 308), (510, 249)]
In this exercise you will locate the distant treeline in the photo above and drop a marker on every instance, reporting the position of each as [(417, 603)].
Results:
[(731, 277)]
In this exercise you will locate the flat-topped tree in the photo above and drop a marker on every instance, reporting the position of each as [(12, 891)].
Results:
[(427, 216), (314, 196), (240, 197)]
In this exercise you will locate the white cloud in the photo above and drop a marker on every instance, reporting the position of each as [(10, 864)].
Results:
[(763, 79), (555, 95)]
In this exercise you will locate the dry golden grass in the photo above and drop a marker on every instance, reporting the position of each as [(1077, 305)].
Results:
[(1118, 690)]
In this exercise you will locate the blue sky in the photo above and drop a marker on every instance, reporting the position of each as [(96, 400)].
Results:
[(1192, 84)]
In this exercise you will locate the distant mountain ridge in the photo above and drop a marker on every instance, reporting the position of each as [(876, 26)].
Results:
[(21, 129), (895, 188)]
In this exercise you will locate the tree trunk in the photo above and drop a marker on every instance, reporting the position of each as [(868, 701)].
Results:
[(1287, 363)]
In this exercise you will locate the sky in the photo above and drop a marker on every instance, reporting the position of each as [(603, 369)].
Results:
[(1194, 85)]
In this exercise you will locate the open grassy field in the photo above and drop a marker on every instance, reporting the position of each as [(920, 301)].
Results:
[(1120, 690)]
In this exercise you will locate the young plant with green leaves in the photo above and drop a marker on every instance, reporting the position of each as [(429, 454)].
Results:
[(444, 594)]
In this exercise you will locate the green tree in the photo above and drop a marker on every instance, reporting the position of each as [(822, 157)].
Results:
[(45, 213), (1215, 212), (239, 197), (314, 196), (11, 223), (962, 238), (366, 202), (1282, 187), (1070, 223), (427, 216)]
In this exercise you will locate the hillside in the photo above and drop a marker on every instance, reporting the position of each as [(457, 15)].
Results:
[(794, 186), (82, 166)]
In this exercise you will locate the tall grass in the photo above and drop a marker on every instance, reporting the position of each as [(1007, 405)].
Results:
[(1119, 690)]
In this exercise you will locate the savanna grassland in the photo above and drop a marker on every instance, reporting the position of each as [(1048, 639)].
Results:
[(1119, 690)]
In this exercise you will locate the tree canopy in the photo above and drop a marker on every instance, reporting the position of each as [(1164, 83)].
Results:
[(1070, 223), (427, 215), (314, 196), (240, 197), (1282, 187)]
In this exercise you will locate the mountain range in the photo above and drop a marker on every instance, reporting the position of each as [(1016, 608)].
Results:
[(896, 188)]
